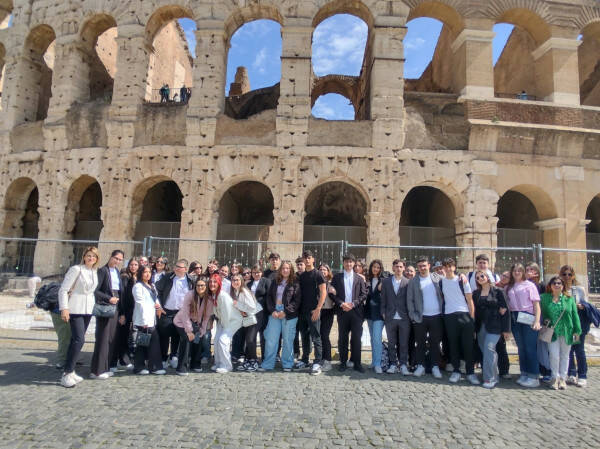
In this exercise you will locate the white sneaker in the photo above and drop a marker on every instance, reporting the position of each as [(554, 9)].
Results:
[(213, 368), (404, 370), (159, 372), (77, 377), (110, 373), (419, 371), (181, 373), (582, 383), (221, 370), (449, 368), (530, 383), (350, 364), (571, 380), (315, 370), (113, 369), (174, 361), (436, 372), (144, 372), (490, 384), (197, 370), (99, 376), (454, 377), (129, 367), (68, 380), (326, 366), (165, 364), (378, 370), (391, 370), (473, 379), (522, 378)]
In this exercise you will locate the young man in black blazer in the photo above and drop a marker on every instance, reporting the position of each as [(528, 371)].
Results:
[(350, 296)]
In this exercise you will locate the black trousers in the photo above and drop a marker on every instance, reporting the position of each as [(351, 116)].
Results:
[(459, 330), (398, 334), (168, 331), (434, 327), (190, 353), (79, 325), (250, 333), (237, 344), (105, 334), (120, 350), (503, 361), (350, 322), (150, 354), (310, 331), (326, 324)]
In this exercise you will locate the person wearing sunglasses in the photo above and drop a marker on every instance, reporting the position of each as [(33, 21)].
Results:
[(559, 312), (161, 267), (588, 314), (491, 320), (194, 322), (195, 270)]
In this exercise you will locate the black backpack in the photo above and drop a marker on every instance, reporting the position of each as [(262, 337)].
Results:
[(47, 296)]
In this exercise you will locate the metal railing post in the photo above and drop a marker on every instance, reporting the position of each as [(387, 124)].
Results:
[(149, 246), (539, 255), (144, 247)]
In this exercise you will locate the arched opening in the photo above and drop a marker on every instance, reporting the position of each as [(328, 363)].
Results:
[(98, 37), (245, 215), (592, 231), (335, 211), (518, 72), (6, 16), (20, 221), (589, 65), (253, 69), (171, 62), (340, 51), (427, 219), (83, 219), (38, 60)]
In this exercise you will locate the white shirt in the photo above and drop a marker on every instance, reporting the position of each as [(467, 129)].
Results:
[(178, 291), (157, 276), (115, 281), (396, 285), (144, 311), (254, 286), (348, 281), (454, 300), (431, 305), (226, 285), (374, 282)]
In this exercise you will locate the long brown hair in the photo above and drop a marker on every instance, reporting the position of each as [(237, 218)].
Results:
[(572, 270), (197, 299), (511, 282), (291, 278)]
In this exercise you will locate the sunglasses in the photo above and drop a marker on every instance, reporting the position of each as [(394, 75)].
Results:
[(246, 273), (481, 276), (558, 284), (160, 261), (567, 274)]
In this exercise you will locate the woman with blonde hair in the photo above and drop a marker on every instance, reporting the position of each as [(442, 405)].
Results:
[(76, 300)]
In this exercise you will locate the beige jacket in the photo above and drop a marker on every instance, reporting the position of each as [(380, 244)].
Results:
[(82, 282)]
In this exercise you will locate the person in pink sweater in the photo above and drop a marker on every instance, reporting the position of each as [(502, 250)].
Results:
[(194, 322)]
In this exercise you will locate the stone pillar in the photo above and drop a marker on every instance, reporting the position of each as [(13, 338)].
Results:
[(10, 107), (208, 95), (382, 229), (294, 108), (387, 85), (129, 86), (557, 70), (474, 71)]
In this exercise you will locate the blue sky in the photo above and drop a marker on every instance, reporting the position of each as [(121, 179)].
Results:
[(337, 48)]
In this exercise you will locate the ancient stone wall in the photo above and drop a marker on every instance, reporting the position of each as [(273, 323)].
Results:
[(469, 144)]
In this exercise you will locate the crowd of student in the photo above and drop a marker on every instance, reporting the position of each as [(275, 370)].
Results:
[(149, 318)]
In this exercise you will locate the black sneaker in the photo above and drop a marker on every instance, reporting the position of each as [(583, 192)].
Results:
[(342, 366), (358, 367)]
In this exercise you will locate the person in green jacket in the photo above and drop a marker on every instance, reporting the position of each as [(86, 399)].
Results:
[(560, 312)]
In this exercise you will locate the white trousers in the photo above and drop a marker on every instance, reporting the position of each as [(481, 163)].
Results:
[(222, 343), (559, 357)]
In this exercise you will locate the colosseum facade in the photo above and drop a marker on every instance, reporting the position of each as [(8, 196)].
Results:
[(462, 148)]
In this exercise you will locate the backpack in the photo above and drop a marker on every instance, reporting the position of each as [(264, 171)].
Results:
[(47, 296)]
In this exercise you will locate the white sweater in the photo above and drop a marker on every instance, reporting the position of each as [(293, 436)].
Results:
[(82, 283), (229, 317), (144, 311)]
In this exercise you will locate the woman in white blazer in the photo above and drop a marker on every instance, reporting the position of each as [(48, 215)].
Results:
[(76, 301), (144, 321), (229, 320)]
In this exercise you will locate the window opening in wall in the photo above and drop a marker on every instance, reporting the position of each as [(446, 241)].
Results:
[(592, 231), (338, 59), (99, 39), (589, 65), (171, 62), (161, 211), (420, 46)]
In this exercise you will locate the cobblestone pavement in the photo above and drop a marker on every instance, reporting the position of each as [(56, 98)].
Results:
[(282, 410)]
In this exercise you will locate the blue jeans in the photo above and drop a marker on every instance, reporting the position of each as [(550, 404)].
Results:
[(287, 329), (526, 339), (375, 331), (487, 344), (578, 352)]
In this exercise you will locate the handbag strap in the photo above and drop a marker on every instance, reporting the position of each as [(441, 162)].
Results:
[(74, 283), (560, 316)]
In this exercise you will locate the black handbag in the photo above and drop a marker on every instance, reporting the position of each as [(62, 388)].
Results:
[(143, 338), (104, 310)]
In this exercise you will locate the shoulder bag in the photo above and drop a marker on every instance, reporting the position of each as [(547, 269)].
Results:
[(547, 332), (104, 310)]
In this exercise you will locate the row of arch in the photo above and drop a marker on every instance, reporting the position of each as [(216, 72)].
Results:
[(35, 105)]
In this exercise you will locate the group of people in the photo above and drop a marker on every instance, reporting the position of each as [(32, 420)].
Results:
[(149, 318), (183, 96)]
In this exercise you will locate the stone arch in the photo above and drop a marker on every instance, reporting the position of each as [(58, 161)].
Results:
[(97, 35), (445, 12), (254, 11), (163, 16), (364, 195), (157, 199), (543, 203), (532, 21), (84, 202), (37, 77), (6, 9), (355, 8), (346, 86)]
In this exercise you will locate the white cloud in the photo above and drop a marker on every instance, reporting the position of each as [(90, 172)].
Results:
[(259, 61), (414, 44)]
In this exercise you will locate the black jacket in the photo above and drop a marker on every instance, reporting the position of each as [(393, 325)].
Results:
[(262, 289), (291, 299), (487, 311), (373, 306), (127, 303), (359, 291), (103, 291), (165, 284), (391, 302)]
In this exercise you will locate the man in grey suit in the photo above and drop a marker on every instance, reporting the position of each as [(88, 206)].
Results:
[(425, 307), (395, 315)]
